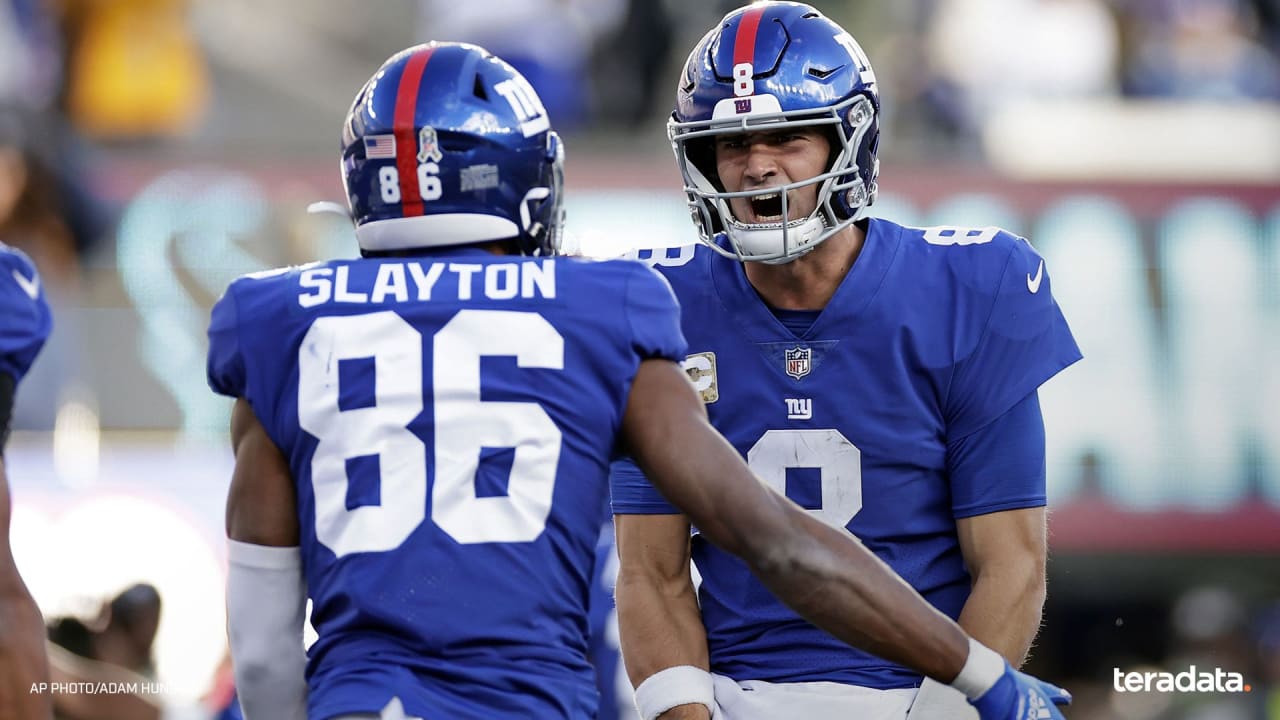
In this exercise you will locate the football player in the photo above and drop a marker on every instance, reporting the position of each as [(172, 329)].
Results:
[(883, 377), (24, 326), (422, 438)]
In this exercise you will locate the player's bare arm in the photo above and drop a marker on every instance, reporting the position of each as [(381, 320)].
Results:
[(22, 654), (824, 574), (261, 504), (1005, 553), (659, 620)]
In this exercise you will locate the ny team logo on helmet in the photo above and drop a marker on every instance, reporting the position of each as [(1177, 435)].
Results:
[(765, 67), (448, 145)]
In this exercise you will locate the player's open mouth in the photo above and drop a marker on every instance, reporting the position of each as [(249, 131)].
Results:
[(766, 208)]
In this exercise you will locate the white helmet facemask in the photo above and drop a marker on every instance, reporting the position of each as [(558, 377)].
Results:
[(785, 240)]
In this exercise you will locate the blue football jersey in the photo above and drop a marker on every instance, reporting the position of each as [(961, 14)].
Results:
[(25, 320), (449, 422), (934, 334)]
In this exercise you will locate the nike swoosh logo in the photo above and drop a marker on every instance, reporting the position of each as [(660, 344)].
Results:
[(1033, 283), (29, 286)]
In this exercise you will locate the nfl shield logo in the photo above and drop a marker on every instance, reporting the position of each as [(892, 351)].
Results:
[(798, 362), (742, 106)]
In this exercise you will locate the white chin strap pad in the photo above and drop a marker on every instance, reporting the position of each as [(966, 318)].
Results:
[(775, 244)]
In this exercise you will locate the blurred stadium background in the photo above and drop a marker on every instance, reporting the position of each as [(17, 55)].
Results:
[(152, 150)]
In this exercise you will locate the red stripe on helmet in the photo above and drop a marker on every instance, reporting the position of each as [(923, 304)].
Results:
[(406, 140), (744, 43)]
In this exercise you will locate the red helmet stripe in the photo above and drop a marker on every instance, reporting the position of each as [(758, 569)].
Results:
[(406, 139), (744, 43)]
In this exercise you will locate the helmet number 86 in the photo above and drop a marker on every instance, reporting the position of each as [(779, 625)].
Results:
[(428, 182)]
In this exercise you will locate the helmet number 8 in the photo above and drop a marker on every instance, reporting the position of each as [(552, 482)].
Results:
[(429, 187), (743, 84)]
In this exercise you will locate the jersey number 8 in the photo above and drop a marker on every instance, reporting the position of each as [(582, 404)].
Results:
[(838, 462)]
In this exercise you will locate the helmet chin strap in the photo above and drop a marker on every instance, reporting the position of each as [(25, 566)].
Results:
[(754, 241)]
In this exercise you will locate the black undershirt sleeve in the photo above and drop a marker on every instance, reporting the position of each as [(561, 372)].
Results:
[(7, 386)]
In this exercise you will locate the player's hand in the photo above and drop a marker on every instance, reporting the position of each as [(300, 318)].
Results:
[(1018, 696)]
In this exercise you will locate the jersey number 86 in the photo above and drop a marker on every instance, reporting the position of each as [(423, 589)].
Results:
[(463, 424)]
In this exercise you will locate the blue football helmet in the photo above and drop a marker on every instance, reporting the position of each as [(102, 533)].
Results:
[(449, 145), (769, 66)]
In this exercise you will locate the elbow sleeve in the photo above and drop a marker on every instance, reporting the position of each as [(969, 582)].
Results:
[(266, 607)]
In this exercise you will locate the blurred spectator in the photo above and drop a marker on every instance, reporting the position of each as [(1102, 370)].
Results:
[(1209, 625), (121, 635), (1268, 12), (1199, 49), (31, 214), (638, 49), (1268, 637), (30, 54), (135, 70), (41, 212), (970, 66), (116, 647), (1061, 49), (57, 203), (548, 41)]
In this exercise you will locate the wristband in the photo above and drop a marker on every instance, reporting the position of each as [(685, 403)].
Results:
[(679, 685), (981, 670)]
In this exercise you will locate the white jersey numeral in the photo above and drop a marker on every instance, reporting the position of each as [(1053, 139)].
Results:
[(464, 424), (949, 235), (664, 257), (377, 430), (838, 460)]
